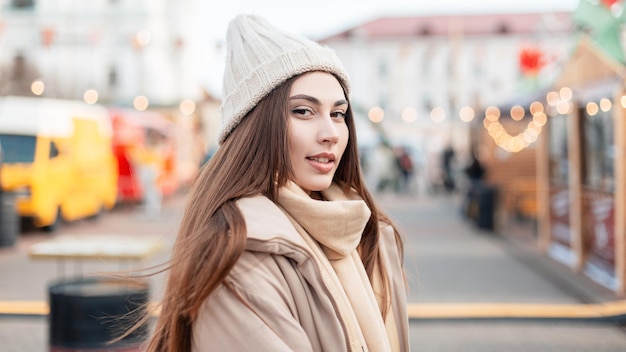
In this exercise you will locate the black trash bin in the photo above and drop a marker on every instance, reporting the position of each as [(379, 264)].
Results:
[(88, 313), (9, 219), (485, 197)]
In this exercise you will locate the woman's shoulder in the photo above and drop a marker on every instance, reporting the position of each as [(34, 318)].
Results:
[(389, 240), (261, 215), (387, 230)]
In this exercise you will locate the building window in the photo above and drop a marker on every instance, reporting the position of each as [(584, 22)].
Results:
[(382, 69), (558, 149), (427, 60), (113, 77), (599, 151), (23, 4), (383, 101)]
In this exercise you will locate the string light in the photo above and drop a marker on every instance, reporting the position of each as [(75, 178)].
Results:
[(517, 113), (605, 104), (565, 93), (552, 98), (409, 115), (592, 108), (438, 115), (560, 101), (522, 140), (466, 114)]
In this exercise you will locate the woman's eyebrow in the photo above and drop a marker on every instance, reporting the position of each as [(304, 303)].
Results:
[(341, 102), (317, 101)]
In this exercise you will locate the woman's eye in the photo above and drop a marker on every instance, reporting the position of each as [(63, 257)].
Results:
[(301, 111), (339, 115)]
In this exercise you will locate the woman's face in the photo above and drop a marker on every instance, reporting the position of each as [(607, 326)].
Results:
[(318, 134)]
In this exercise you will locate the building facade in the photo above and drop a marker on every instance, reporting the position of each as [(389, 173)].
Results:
[(120, 49), (432, 76)]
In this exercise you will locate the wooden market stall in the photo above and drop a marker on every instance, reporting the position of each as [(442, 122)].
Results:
[(581, 168), (506, 144)]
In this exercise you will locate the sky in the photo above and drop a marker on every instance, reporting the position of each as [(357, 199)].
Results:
[(318, 19)]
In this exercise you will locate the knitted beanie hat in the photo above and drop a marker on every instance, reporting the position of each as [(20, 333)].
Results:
[(259, 58)]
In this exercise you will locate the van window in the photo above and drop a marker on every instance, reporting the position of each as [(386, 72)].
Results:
[(17, 148)]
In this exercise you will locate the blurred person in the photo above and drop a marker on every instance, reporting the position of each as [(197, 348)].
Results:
[(385, 170), (447, 159), (405, 165), (281, 246), (474, 171), (149, 160)]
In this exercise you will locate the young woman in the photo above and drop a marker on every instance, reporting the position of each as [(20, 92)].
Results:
[(281, 247)]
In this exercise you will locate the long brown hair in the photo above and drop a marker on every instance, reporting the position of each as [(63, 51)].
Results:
[(254, 159)]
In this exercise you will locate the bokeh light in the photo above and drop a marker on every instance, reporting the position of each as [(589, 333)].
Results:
[(187, 107), (565, 93), (90, 96), (438, 115), (563, 107), (605, 104), (517, 113), (466, 114), (592, 108), (409, 115), (536, 107), (492, 113), (37, 87), (141, 103), (552, 98), (376, 114)]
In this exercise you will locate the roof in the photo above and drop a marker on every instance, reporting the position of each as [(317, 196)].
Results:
[(48, 116), (588, 64), (143, 119), (443, 25)]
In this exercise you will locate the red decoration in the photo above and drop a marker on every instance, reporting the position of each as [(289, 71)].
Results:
[(47, 36), (531, 60), (179, 43), (608, 3)]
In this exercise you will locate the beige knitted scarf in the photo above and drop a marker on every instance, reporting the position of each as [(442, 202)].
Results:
[(333, 229)]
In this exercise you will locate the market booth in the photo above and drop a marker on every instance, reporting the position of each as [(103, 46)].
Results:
[(131, 131), (581, 168)]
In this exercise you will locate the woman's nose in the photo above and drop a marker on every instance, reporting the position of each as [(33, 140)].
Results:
[(328, 130)]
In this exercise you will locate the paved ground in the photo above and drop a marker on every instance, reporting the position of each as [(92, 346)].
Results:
[(450, 267)]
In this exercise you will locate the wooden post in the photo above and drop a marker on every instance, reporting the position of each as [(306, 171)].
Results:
[(543, 190), (620, 193), (575, 186)]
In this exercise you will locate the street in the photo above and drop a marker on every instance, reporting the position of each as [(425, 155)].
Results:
[(449, 265)]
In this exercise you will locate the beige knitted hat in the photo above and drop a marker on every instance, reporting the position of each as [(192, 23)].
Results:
[(259, 58)]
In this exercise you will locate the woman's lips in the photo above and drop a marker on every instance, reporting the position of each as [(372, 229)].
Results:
[(322, 164)]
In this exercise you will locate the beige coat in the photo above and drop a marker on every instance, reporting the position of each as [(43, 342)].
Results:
[(287, 307)]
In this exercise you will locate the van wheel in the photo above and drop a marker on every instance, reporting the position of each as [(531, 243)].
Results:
[(55, 225)]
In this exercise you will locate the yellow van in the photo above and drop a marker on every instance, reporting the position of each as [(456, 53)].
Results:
[(57, 158)]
